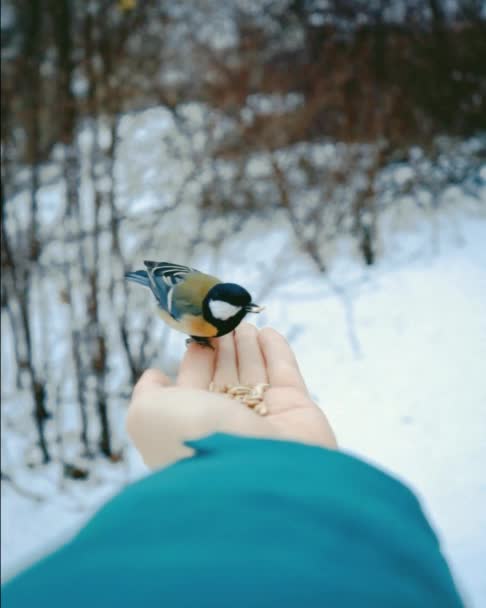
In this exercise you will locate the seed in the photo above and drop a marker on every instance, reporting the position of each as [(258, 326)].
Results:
[(261, 409), (251, 402), (238, 390)]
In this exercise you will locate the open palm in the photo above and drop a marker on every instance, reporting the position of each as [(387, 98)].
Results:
[(163, 415)]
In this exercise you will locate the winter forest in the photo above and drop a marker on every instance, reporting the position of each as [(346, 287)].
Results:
[(329, 154)]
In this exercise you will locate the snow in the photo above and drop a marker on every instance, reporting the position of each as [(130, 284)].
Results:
[(395, 356)]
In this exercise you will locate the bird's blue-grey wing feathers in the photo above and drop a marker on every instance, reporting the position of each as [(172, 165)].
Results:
[(138, 276), (161, 278)]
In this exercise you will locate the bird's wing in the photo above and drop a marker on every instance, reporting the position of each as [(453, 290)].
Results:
[(170, 274), (163, 277), (168, 283), (188, 295)]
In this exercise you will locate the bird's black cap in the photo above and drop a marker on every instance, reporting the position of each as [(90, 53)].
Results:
[(231, 293)]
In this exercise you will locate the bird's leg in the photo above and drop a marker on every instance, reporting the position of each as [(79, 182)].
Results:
[(198, 340)]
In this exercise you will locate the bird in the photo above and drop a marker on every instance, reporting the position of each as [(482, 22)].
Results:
[(195, 303)]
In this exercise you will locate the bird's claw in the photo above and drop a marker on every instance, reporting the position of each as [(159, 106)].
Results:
[(201, 341)]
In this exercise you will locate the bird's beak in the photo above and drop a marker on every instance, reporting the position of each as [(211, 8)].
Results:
[(254, 308)]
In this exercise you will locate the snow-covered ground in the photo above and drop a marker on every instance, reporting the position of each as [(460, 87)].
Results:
[(394, 354)]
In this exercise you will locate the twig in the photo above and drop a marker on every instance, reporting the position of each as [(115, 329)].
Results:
[(20, 490), (311, 249), (348, 308)]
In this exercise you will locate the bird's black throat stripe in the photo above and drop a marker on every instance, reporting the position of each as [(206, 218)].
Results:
[(226, 326)]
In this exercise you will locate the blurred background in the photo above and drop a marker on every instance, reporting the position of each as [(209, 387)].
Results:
[(329, 155)]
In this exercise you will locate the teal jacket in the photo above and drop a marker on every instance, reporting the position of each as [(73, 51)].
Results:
[(249, 523)]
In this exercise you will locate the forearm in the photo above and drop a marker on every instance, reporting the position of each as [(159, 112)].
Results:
[(251, 522)]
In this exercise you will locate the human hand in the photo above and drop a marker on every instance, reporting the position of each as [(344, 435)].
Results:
[(163, 415)]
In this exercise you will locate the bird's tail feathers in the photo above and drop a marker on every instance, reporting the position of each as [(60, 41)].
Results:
[(138, 276)]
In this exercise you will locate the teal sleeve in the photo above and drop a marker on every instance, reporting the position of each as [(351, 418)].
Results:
[(249, 523)]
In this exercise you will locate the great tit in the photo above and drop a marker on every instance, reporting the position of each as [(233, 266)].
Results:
[(195, 303)]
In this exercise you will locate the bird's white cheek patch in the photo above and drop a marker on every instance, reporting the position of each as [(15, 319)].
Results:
[(223, 310)]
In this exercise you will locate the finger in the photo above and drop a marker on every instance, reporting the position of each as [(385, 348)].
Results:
[(226, 369), (282, 367), (196, 369), (298, 418), (251, 364), (149, 379)]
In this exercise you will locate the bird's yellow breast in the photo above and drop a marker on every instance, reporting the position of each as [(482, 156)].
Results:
[(190, 325)]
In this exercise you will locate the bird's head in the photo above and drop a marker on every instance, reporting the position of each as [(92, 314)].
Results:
[(225, 306)]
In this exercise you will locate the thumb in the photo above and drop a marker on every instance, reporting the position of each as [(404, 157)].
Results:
[(146, 420), (151, 379)]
